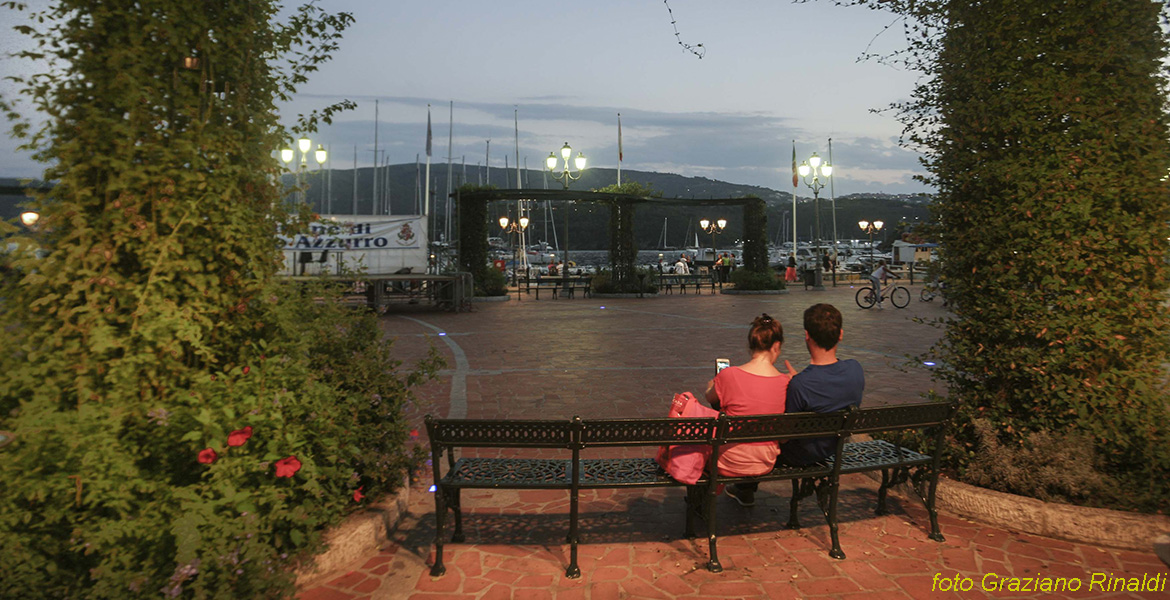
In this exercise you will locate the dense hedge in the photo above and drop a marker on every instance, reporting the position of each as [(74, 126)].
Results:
[(186, 425), (1046, 127)]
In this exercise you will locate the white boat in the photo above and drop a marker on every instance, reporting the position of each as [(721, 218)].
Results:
[(541, 253)]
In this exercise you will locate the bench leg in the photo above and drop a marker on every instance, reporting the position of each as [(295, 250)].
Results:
[(440, 516), (935, 532), (883, 490), (794, 506), (457, 536), (573, 571), (694, 505), (831, 514), (712, 564)]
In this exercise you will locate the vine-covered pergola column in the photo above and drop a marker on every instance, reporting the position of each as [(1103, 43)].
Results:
[(755, 235), (623, 251)]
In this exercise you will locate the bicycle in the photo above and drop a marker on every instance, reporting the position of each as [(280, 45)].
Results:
[(899, 296), (930, 291)]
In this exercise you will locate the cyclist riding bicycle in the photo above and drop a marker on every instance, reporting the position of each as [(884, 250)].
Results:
[(882, 272)]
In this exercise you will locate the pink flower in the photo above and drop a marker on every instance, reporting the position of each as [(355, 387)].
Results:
[(358, 495), (207, 456), (287, 467), (414, 434), (246, 369), (239, 436)]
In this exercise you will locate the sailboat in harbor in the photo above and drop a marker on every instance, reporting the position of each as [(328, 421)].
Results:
[(691, 248), (662, 245)]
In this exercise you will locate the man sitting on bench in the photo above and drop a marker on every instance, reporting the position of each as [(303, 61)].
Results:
[(825, 385)]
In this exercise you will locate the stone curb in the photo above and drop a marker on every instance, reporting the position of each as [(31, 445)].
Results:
[(358, 535), (1100, 526), (646, 295), (491, 298), (753, 292)]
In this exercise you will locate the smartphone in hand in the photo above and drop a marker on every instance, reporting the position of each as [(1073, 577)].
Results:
[(721, 363)]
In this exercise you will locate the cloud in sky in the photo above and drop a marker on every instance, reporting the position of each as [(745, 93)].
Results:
[(773, 72)]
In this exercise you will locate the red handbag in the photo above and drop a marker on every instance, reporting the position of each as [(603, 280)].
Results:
[(686, 462)]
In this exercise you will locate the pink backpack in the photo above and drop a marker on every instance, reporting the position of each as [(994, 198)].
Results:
[(686, 462)]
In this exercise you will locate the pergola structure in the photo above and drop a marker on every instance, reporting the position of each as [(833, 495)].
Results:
[(473, 225)]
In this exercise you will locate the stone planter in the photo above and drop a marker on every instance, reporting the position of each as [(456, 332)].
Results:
[(358, 535)]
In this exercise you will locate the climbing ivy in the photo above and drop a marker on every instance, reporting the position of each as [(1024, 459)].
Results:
[(186, 424), (1045, 130)]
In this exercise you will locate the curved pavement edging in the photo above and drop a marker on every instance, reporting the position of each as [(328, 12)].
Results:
[(734, 292), (358, 535), (1101, 526), (491, 298)]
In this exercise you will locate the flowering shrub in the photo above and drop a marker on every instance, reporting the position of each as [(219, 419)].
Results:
[(186, 424)]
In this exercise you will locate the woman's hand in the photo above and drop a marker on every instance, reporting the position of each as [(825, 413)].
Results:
[(711, 396), (788, 366)]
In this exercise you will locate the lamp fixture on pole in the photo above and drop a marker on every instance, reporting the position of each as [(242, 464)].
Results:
[(712, 228), (305, 145), (870, 228), (29, 218), (566, 175), (816, 169)]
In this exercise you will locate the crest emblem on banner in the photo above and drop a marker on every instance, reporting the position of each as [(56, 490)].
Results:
[(405, 235)]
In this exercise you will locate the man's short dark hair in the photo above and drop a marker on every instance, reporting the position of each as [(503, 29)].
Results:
[(823, 324)]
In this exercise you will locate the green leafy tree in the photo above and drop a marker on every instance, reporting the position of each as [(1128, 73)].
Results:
[(186, 424), (1045, 127)]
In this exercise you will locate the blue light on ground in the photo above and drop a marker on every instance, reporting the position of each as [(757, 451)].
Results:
[(929, 363), (601, 307), (432, 489), (442, 333)]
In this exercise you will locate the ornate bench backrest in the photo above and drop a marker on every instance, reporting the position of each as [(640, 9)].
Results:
[(761, 428), (507, 434), (646, 432), (896, 418)]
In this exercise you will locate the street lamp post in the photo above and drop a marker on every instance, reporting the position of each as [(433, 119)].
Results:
[(870, 228), (713, 229), (511, 227), (815, 168), (565, 177), (304, 145)]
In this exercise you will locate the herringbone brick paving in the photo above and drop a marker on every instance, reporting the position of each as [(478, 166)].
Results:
[(626, 357)]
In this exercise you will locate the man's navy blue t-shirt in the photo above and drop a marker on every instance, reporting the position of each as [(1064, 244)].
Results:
[(821, 389)]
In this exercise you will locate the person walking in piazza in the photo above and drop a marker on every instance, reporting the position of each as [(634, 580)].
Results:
[(680, 267), (790, 272), (826, 385), (753, 388)]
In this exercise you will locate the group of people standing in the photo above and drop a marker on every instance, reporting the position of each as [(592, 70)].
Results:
[(757, 387), (685, 265)]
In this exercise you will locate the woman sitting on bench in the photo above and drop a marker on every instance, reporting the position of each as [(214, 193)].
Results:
[(753, 388)]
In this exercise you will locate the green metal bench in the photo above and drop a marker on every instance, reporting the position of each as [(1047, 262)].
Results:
[(577, 436)]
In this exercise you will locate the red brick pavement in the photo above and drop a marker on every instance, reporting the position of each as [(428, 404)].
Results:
[(558, 358)]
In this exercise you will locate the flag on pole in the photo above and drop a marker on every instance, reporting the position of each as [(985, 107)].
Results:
[(796, 180), (619, 169), (619, 137), (429, 131)]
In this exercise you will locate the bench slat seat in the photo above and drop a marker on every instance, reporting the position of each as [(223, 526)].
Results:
[(623, 472), (510, 473), (879, 454)]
